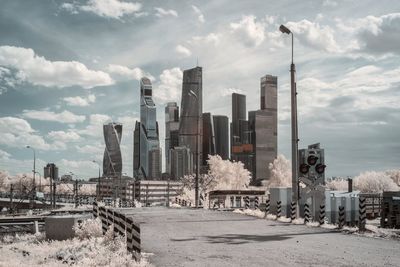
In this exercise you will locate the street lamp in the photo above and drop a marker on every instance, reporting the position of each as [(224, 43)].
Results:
[(98, 182), (196, 186), (295, 140), (34, 169)]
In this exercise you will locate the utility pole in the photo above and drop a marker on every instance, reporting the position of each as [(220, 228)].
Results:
[(168, 193), (54, 193), (76, 193)]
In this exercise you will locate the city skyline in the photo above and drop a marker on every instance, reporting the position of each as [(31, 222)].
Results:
[(66, 70)]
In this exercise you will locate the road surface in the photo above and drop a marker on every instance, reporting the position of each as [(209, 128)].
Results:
[(187, 237)]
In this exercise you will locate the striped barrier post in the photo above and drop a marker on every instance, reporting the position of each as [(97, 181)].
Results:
[(306, 213), (341, 217), (133, 238), (321, 214), (267, 206), (176, 200), (179, 201), (292, 210), (362, 205), (103, 218), (95, 210), (278, 208), (256, 203), (247, 202)]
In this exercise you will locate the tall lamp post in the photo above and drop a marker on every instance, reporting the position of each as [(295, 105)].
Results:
[(196, 186), (34, 170), (98, 182), (295, 139)]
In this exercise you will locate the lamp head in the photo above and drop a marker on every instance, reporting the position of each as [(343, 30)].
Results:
[(283, 29)]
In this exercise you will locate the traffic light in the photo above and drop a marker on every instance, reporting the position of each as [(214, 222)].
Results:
[(311, 164)]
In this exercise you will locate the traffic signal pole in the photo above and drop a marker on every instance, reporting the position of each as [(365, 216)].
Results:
[(295, 139)]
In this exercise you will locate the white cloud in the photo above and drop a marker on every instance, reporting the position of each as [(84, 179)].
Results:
[(4, 155), (77, 165), (124, 73), (62, 117), (200, 15), (63, 136), (70, 8), (211, 38), (170, 86), (95, 127), (96, 150), (111, 8), (40, 71), (329, 3), (16, 132), (250, 31), (80, 101), (161, 12), (376, 35), (230, 91), (314, 35), (181, 50)]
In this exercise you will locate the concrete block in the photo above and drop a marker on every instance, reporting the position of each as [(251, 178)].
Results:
[(61, 227)]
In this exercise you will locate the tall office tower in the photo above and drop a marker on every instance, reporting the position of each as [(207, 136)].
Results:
[(190, 126), (147, 163), (238, 114), (208, 138), (112, 161), (51, 171), (171, 130), (221, 133), (241, 148), (181, 162), (263, 125)]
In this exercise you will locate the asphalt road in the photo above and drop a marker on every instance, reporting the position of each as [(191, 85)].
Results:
[(184, 237)]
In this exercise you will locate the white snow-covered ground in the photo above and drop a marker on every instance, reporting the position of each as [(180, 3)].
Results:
[(88, 248), (372, 229)]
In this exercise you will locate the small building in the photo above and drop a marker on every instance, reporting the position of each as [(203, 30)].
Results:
[(155, 192), (235, 199)]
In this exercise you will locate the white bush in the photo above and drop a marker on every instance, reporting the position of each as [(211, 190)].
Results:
[(374, 182), (88, 228), (281, 172)]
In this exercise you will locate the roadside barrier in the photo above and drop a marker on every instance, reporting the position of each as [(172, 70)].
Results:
[(341, 217), (306, 213), (256, 203), (278, 209), (321, 214), (292, 210), (247, 202), (362, 205)]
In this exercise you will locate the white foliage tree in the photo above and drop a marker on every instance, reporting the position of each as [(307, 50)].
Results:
[(394, 175), (374, 182), (339, 184), (281, 172), (222, 175)]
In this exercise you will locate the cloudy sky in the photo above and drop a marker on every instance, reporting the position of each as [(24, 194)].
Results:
[(67, 67)]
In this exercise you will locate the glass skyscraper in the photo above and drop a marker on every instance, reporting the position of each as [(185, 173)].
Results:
[(112, 160), (190, 125), (147, 152), (171, 130), (221, 133)]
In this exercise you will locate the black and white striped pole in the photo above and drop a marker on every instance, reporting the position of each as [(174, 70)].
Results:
[(321, 214), (306, 213), (292, 210), (362, 205), (267, 206), (247, 202), (256, 203), (341, 217), (278, 209)]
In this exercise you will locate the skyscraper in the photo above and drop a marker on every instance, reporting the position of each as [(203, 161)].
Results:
[(221, 133), (241, 147), (190, 126), (51, 171), (147, 156), (263, 125), (238, 114), (112, 160), (208, 138), (181, 162), (171, 130)]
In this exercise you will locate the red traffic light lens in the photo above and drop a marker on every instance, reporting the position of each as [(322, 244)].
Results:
[(320, 168), (312, 160), (304, 168)]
